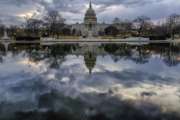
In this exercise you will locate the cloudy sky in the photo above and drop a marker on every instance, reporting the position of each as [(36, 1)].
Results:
[(14, 11)]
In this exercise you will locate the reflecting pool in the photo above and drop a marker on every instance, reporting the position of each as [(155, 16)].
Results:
[(90, 82)]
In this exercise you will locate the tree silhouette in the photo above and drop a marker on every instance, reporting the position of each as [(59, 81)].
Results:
[(111, 30)]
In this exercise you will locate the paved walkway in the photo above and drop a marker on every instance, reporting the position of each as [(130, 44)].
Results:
[(95, 40)]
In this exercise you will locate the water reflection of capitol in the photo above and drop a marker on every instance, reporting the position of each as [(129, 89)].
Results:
[(90, 61)]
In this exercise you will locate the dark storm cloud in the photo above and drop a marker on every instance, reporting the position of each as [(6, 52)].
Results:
[(76, 5), (73, 10), (125, 2)]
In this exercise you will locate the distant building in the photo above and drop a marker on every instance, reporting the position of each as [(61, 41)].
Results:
[(174, 19)]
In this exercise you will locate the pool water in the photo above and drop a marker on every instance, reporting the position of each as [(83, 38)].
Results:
[(90, 82)]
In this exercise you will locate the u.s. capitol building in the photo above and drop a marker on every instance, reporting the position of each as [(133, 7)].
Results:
[(90, 26)]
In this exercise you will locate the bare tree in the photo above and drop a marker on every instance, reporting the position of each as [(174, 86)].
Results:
[(116, 21), (54, 22), (172, 22), (111, 30), (124, 26), (1, 28), (13, 30), (33, 26), (143, 23), (127, 25)]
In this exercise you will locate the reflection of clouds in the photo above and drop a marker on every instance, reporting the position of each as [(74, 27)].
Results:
[(130, 81), (19, 78), (161, 79), (154, 66), (20, 64), (124, 79)]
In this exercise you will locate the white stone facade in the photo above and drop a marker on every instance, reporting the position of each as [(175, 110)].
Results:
[(82, 28)]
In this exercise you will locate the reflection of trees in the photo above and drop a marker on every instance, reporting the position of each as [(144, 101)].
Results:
[(141, 56), (138, 54), (53, 59), (2, 47), (55, 62), (1, 57), (57, 53), (123, 51), (1, 53), (118, 51), (111, 48), (35, 55), (60, 49), (53, 54), (171, 56)]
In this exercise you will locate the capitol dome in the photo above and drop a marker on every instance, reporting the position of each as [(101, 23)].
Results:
[(90, 13), (90, 18)]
